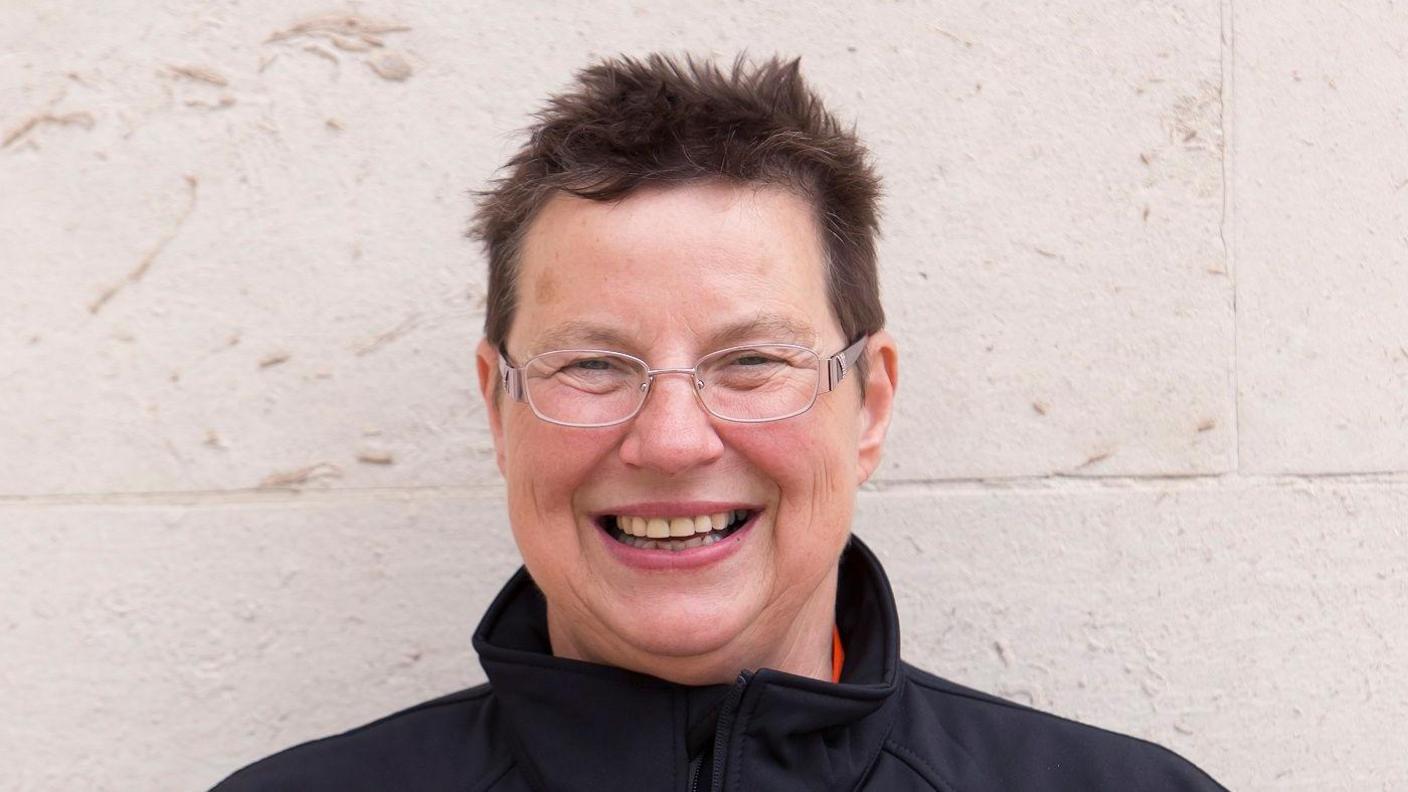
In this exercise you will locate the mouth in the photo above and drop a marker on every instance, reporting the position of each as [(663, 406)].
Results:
[(674, 534)]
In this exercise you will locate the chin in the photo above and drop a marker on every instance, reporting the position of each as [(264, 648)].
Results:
[(681, 632)]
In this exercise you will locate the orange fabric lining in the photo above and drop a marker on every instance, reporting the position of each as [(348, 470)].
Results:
[(838, 654)]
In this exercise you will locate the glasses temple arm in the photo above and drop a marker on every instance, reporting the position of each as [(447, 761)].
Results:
[(512, 378), (839, 364)]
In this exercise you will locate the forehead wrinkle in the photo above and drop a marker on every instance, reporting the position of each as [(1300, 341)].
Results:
[(767, 327), (579, 334), (762, 328)]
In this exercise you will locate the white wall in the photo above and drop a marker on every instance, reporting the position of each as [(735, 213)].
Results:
[(1148, 262)]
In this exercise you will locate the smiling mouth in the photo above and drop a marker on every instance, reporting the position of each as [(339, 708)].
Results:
[(674, 533)]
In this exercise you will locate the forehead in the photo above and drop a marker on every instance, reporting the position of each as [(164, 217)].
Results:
[(690, 260)]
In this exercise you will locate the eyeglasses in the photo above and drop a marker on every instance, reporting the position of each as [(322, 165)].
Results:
[(756, 383)]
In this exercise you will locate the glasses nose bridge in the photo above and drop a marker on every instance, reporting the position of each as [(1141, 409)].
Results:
[(692, 373), (651, 374)]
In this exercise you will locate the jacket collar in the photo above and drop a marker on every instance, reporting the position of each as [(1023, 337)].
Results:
[(578, 725)]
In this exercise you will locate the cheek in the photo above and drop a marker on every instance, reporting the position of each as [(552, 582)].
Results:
[(810, 462), (546, 464), (807, 462)]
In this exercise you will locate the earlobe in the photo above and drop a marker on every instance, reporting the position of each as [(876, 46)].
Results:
[(486, 365), (881, 380)]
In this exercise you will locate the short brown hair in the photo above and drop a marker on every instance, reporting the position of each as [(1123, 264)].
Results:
[(628, 122)]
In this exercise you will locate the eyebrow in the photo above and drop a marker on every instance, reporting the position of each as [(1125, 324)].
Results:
[(761, 328)]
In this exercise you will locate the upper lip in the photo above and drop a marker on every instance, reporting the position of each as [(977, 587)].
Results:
[(673, 508)]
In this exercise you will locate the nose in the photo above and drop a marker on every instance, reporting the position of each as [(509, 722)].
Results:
[(672, 433)]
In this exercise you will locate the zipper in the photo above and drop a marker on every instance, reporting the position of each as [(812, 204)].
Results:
[(694, 773), (726, 715)]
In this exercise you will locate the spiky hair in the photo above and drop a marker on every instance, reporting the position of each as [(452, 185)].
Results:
[(627, 122)]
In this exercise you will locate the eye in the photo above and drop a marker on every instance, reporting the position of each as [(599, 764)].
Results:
[(588, 366), (753, 359)]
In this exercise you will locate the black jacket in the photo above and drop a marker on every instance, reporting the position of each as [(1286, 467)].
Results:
[(545, 723)]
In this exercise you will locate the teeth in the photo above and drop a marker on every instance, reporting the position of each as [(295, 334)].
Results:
[(676, 533)]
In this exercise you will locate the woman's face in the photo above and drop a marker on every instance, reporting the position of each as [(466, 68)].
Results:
[(669, 275)]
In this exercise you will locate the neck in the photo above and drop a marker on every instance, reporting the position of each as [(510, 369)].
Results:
[(795, 641)]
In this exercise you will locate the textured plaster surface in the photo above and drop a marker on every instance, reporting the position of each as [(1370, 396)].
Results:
[(1147, 263), (1322, 237)]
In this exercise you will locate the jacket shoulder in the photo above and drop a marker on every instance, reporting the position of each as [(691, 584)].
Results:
[(443, 743), (981, 741)]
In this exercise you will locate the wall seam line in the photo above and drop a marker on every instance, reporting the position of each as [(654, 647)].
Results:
[(1227, 222)]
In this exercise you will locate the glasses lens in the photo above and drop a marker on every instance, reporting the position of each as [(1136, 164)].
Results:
[(760, 383), (584, 388)]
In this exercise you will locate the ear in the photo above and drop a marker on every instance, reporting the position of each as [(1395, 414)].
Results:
[(486, 363), (882, 377)]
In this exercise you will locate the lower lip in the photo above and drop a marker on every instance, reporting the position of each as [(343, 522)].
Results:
[(693, 558)]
